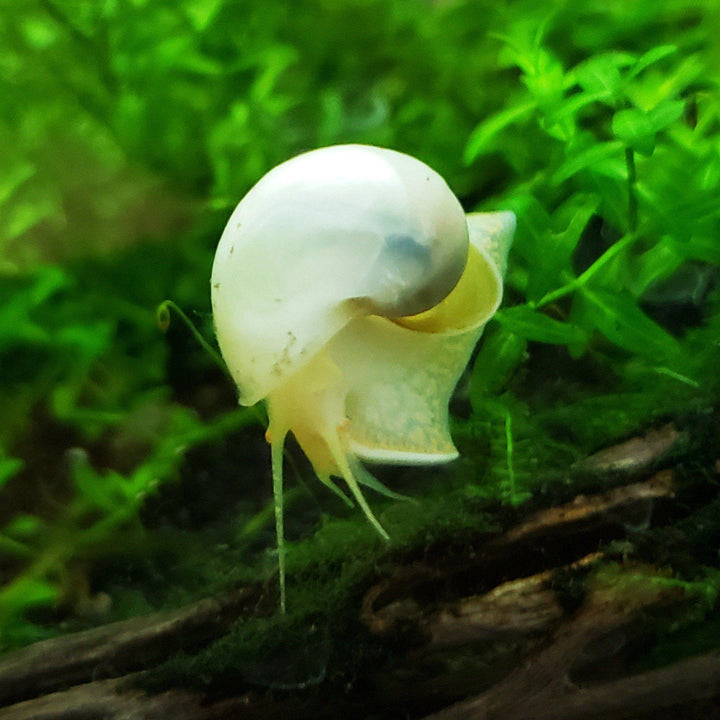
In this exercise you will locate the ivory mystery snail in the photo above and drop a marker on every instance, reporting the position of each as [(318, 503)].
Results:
[(348, 291)]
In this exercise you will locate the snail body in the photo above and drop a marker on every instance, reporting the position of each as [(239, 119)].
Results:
[(348, 290)]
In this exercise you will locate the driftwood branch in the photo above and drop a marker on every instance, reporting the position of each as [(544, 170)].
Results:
[(116, 649), (542, 689), (106, 700), (565, 532), (461, 602)]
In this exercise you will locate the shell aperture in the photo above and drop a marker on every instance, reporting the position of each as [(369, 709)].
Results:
[(349, 289)]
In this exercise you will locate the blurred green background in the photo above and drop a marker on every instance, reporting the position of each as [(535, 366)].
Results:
[(129, 129)]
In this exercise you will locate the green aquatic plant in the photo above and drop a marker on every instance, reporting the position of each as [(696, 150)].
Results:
[(615, 201), (44, 348), (598, 174), (104, 511)]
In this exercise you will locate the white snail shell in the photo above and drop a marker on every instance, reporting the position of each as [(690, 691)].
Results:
[(313, 239), (349, 289)]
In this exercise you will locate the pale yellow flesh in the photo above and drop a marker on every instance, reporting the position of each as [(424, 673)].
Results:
[(310, 404), (468, 305), (400, 373), (380, 360)]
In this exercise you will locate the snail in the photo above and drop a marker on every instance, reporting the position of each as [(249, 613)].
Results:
[(348, 291)]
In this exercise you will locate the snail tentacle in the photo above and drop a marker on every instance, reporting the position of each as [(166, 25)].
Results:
[(277, 445)]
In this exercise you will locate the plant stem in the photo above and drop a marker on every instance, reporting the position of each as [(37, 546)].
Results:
[(632, 197), (163, 320), (510, 490), (276, 454), (583, 279)]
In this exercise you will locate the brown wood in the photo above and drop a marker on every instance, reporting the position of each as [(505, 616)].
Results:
[(541, 689), (517, 608), (105, 699), (634, 456), (115, 649), (586, 520), (447, 604)]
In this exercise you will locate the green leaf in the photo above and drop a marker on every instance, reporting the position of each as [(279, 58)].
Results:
[(634, 129), (20, 217), (690, 72), (552, 261), (26, 592), (703, 248), (579, 210), (534, 226), (483, 134), (534, 325), (501, 353), (587, 158), (98, 491), (617, 316), (546, 79), (651, 57), (8, 468), (16, 323), (572, 104), (24, 526), (654, 265), (13, 178), (638, 129), (202, 12), (10, 546), (601, 74), (665, 114)]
